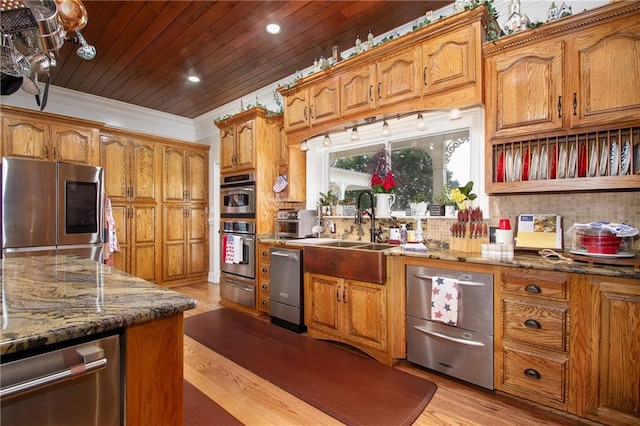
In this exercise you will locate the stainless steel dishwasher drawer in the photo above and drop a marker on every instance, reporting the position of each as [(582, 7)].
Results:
[(464, 354), (238, 292)]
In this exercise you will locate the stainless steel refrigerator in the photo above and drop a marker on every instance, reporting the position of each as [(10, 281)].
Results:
[(50, 208)]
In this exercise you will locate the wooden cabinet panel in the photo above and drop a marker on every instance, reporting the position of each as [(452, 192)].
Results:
[(366, 320), (536, 284), (227, 148), (174, 226), (174, 174), (144, 240), (115, 157), (245, 145), (524, 90), (75, 145), (450, 61), (296, 111), (356, 91), (544, 325), (606, 70), (398, 77), (264, 276), (324, 310), (25, 138), (144, 171), (325, 102), (197, 232)]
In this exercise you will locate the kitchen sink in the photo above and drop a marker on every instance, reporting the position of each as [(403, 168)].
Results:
[(356, 260)]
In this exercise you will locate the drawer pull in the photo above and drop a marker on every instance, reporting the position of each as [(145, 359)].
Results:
[(532, 288), (265, 286), (265, 270), (531, 323), (532, 374)]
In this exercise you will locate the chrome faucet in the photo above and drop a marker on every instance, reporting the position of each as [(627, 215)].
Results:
[(360, 211)]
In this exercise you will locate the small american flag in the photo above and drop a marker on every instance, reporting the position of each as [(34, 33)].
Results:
[(281, 184)]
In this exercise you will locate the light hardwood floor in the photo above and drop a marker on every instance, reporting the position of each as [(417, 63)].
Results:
[(254, 401)]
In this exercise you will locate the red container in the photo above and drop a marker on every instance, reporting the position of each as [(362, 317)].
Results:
[(601, 244)]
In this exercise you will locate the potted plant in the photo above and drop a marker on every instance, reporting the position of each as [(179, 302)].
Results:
[(346, 207), (328, 202), (419, 205), (441, 201), (461, 194)]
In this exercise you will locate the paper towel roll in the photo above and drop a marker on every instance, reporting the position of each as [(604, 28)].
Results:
[(504, 236)]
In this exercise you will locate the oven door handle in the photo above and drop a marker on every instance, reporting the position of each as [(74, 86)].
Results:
[(445, 337), (461, 282), (88, 366)]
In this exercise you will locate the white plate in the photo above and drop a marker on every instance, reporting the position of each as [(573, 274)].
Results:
[(610, 256), (625, 157), (604, 159), (533, 170), (636, 159), (593, 160), (573, 157), (562, 162), (543, 162), (517, 165), (614, 159), (508, 167)]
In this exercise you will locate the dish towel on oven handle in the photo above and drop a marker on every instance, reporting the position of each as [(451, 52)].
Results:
[(227, 243), (237, 249), (444, 300)]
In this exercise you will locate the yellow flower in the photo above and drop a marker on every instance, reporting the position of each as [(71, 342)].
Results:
[(457, 196)]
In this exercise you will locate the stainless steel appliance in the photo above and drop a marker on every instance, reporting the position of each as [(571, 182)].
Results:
[(238, 196), (75, 385), (51, 207), (238, 262), (463, 350), (285, 289), (295, 223)]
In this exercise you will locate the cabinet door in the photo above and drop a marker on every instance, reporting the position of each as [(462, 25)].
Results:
[(325, 102), (75, 145), (174, 223), (143, 247), (174, 174), (325, 295), (607, 73), (450, 61), (114, 154), (197, 176), (398, 77), (356, 91), (617, 344), (121, 257), (25, 138), (524, 90), (198, 253), (144, 171), (245, 145), (227, 149), (296, 111), (365, 319)]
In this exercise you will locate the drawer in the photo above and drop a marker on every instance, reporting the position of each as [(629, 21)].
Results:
[(539, 283), (264, 271), (535, 377), (263, 253), (535, 324), (264, 287), (263, 304)]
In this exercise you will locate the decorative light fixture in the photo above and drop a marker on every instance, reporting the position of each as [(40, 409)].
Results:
[(385, 129), (327, 140), (354, 134), (193, 78), (33, 34), (454, 114), (304, 147), (273, 28), (421, 123)]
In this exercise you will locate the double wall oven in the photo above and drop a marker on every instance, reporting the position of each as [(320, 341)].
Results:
[(238, 239)]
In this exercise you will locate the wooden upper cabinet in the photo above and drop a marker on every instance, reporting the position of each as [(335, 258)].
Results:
[(185, 175), (356, 91), (296, 111), (398, 77), (49, 140), (325, 102), (452, 60), (237, 146), (524, 90), (605, 65), (131, 168)]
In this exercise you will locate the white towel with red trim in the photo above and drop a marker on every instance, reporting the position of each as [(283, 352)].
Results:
[(444, 300)]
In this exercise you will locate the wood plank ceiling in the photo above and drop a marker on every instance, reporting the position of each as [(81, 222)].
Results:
[(146, 49)]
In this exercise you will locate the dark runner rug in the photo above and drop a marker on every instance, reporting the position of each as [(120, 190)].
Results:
[(350, 387), (200, 410)]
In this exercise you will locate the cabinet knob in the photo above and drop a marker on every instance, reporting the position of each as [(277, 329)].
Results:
[(344, 294), (264, 252), (338, 294), (532, 374), (559, 106), (265, 270), (265, 303), (424, 76), (532, 288), (265, 286), (531, 323)]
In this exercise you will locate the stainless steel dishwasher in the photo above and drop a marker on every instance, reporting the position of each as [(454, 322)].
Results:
[(286, 305), (450, 322), (75, 385)]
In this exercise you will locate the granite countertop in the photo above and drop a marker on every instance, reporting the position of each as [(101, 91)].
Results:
[(521, 260), (51, 299)]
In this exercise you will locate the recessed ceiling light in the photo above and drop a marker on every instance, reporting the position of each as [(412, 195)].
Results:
[(273, 28), (193, 78)]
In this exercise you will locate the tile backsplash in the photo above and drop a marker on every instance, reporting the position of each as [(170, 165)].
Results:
[(577, 207)]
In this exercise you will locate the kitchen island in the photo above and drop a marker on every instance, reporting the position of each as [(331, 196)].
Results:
[(54, 300)]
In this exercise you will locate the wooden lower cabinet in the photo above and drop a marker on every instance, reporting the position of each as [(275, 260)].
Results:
[(348, 311), (612, 354), (185, 244), (264, 274)]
